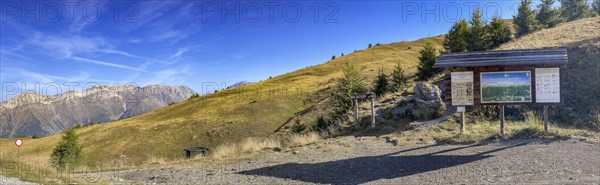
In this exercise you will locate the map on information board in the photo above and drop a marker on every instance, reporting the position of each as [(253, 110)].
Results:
[(462, 88), (547, 85), (506, 87)]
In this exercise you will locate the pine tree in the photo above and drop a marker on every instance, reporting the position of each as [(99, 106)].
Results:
[(574, 9), (370, 45), (547, 15), (456, 39), (333, 57), (478, 41), (498, 32), (596, 6), (427, 57), (399, 80), (351, 82), (382, 85), (525, 19), (68, 151)]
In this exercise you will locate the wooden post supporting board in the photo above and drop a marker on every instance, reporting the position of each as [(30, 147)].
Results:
[(372, 111), (546, 118), (356, 123), (462, 122), (501, 120)]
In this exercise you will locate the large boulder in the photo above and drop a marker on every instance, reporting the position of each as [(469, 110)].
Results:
[(426, 103)]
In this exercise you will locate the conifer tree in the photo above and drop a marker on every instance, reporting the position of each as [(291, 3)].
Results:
[(68, 151), (456, 39), (525, 21), (478, 40), (382, 84), (574, 9), (351, 82), (399, 79), (427, 57), (498, 32), (547, 15)]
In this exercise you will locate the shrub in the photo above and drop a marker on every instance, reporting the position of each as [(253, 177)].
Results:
[(370, 45), (195, 95), (321, 124), (67, 152), (35, 136), (22, 136), (298, 127), (333, 57)]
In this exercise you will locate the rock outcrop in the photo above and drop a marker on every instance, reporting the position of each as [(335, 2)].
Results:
[(31, 113), (426, 103)]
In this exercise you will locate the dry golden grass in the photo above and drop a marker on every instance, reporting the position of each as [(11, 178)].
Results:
[(531, 127), (251, 146), (563, 35)]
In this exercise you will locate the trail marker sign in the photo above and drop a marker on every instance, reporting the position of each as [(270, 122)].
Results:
[(18, 142)]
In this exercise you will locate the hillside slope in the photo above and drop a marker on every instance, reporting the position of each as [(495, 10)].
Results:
[(230, 115)]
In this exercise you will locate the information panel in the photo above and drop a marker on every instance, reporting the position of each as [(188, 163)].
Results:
[(462, 88), (547, 85), (506, 87)]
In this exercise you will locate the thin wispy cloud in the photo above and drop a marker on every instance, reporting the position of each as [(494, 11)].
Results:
[(98, 62)]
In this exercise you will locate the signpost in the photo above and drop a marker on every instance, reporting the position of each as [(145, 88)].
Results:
[(356, 97), (18, 143), (500, 78)]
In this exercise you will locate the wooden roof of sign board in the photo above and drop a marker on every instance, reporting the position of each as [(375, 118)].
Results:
[(544, 57)]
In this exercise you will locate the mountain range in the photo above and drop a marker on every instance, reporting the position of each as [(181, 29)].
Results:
[(35, 114)]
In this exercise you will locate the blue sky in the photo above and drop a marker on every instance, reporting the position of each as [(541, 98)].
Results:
[(504, 79), (193, 43)]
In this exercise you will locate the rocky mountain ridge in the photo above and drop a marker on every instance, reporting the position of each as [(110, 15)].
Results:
[(31, 113)]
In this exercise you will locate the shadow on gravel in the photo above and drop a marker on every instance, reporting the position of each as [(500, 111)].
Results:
[(366, 169)]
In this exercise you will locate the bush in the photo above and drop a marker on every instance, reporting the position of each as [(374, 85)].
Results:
[(35, 136), (22, 136), (370, 45), (321, 124), (333, 57), (67, 153), (195, 95), (298, 127)]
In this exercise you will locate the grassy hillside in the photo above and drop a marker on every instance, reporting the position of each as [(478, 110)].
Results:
[(227, 116)]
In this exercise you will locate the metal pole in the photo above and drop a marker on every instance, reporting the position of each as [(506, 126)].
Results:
[(502, 120), (462, 122), (373, 112), (356, 124), (546, 118)]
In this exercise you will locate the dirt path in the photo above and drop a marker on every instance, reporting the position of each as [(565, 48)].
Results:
[(373, 161)]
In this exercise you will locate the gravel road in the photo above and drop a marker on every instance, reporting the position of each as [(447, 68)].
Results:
[(13, 181), (371, 160)]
